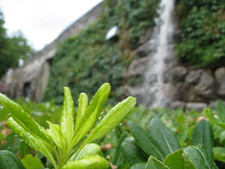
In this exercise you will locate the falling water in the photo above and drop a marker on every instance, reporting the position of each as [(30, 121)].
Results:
[(163, 32)]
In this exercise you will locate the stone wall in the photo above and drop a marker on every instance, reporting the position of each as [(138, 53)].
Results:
[(185, 87), (31, 79), (195, 88)]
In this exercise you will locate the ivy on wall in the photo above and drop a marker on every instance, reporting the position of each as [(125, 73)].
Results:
[(202, 25), (85, 61)]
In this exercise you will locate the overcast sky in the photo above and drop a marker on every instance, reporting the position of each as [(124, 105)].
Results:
[(41, 21)]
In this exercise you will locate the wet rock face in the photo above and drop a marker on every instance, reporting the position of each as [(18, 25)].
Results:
[(186, 88), (220, 77), (196, 88), (138, 67), (193, 76)]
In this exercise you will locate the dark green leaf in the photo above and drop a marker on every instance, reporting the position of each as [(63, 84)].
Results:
[(165, 139), (153, 163), (202, 135), (147, 144), (8, 160), (220, 109), (132, 153), (119, 159), (138, 166), (199, 158), (175, 160)]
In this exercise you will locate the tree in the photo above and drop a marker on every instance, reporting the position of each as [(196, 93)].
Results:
[(12, 48)]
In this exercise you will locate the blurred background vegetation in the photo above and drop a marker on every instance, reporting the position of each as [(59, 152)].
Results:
[(202, 25), (84, 61)]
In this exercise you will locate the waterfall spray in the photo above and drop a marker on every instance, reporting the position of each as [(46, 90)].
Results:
[(163, 32)]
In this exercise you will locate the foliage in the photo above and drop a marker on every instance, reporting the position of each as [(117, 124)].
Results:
[(66, 145), (157, 138), (83, 61), (140, 138), (218, 118), (12, 48), (9, 160), (202, 25), (162, 147)]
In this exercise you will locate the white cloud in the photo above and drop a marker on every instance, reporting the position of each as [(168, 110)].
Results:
[(42, 21)]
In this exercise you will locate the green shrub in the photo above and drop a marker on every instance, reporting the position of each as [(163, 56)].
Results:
[(67, 145), (202, 25)]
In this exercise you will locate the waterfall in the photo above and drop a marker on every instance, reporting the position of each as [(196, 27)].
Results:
[(154, 95)]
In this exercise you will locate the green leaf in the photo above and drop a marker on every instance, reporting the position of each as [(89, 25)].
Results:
[(138, 166), (82, 108), (220, 109), (24, 149), (153, 163), (8, 160), (67, 121), (90, 162), (133, 154), (32, 140), (203, 135), (118, 158), (175, 160), (22, 118), (112, 119), (96, 105), (213, 117), (199, 158), (219, 153), (147, 144), (165, 139), (32, 162), (87, 150), (56, 135), (92, 113), (189, 165)]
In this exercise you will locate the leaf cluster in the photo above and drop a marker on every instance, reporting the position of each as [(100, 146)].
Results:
[(157, 147), (68, 145)]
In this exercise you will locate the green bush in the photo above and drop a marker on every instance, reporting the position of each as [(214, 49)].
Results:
[(202, 25)]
